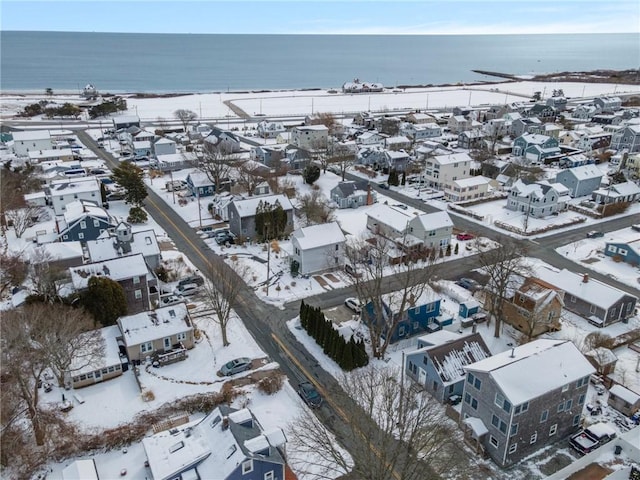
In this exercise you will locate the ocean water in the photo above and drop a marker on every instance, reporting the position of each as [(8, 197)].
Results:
[(120, 62)]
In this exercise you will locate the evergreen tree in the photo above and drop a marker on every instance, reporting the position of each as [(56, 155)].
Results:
[(347, 356), (455, 250), (303, 316), (311, 173), (448, 250), (105, 300), (404, 178), (130, 176)]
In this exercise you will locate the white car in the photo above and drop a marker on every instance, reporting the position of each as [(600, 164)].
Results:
[(170, 300), (186, 290), (353, 304)]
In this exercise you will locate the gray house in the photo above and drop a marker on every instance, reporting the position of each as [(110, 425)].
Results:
[(125, 242), (540, 199), (242, 214), (627, 138), (619, 192), (598, 302), (439, 368), (318, 247), (581, 180), (521, 400), (347, 195)]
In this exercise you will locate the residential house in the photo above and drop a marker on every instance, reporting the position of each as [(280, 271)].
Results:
[(520, 126), (364, 119), (388, 125), (535, 147), (158, 334), (418, 118), (372, 156), (269, 155), (223, 140), (310, 137), (612, 119), (124, 242), (63, 192), (598, 302), (53, 155), (470, 139), (89, 368), (539, 199), (619, 192), (558, 103), (242, 213), (125, 121), (131, 272), (397, 142), (467, 189), (458, 124), (608, 104), (31, 141), (442, 170), (200, 185), (624, 400), (575, 160), (347, 195), (396, 160), (59, 255), (269, 129), (571, 138), (584, 112), (227, 444), (421, 315), (533, 308), (357, 86), (420, 131), (541, 111), (318, 247), (628, 138), (548, 129), (580, 181), (509, 416), (83, 221), (628, 252), (370, 137), (439, 369), (220, 205), (164, 146), (173, 162)]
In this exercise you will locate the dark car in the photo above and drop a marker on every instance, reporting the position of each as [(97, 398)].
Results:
[(384, 186), (224, 237), (309, 394), (468, 283), (236, 365), (196, 279), (595, 234)]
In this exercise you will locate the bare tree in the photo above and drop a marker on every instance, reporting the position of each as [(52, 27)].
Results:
[(395, 431), (23, 218), (30, 338), (45, 275), (13, 269), (185, 117), (217, 163), (341, 156), (251, 174), (375, 257), (537, 321), (314, 208), (505, 265), (221, 296)]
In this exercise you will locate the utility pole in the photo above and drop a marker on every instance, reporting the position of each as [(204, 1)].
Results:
[(173, 190), (267, 225)]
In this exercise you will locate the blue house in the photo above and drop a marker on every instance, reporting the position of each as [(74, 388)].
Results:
[(227, 444), (628, 252), (439, 366), (200, 185), (83, 221), (468, 308), (425, 317)]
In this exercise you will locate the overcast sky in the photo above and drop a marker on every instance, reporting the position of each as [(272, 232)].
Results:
[(325, 17)]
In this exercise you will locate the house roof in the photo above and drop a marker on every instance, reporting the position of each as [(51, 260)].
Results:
[(56, 251), (549, 365), (81, 470), (116, 269), (109, 357), (152, 325), (164, 141), (626, 188), (534, 138), (593, 291), (625, 394), (585, 172), (126, 119), (392, 217), (452, 158), (199, 179), (30, 135), (318, 235), (603, 356), (247, 207), (438, 338), (472, 181), (345, 189), (75, 186), (433, 221), (82, 208), (450, 358), (106, 248)]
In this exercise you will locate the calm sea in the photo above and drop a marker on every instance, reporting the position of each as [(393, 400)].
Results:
[(119, 62)]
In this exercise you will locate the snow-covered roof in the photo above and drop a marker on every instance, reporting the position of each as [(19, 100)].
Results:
[(57, 251), (30, 135), (126, 119), (79, 208), (626, 188), (534, 138), (247, 207), (625, 394), (592, 291), (550, 364), (452, 158), (449, 359), (433, 221), (164, 141), (438, 338), (472, 181), (176, 157), (75, 186), (109, 358), (585, 172), (316, 128), (80, 470), (116, 269), (477, 426), (151, 325), (392, 217), (200, 179), (602, 355), (142, 144), (318, 235), (50, 153), (106, 248)]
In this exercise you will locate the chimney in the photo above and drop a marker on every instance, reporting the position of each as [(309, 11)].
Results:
[(225, 422), (585, 278), (369, 196), (513, 352)]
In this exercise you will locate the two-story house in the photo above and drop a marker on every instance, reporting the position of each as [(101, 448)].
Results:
[(420, 131), (200, 185), (467, 189), (318, 247), (628, 138), (242, 213), (509, 415), (125, 242), (439, 368), (63, 192), (598, 302), (458, 123), (539, 199), (310, 137), (83, 221), (125, 121), (535, 147), (164, 146), (628, 252), (31, 141), (442, 170), (347, 195), (581, 180), (223, 140), (268, 154), (608, 104), (520, 125), (269, 129)]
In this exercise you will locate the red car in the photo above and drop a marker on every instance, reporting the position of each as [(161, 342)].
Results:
[(465, 236)]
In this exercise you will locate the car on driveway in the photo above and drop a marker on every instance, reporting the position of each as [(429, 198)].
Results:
[(197, 279), (170, 300), (465, 236), (223, 238), (309, 394), (236, 365), (186, 290), (595, 234), (353, 304), (468, 283)]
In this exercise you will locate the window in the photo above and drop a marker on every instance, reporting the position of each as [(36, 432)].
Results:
[(576, 420), (470, 378), (533, 438), (613, 313), (467, 398), (513, 448), (568, 405), (499, 424), (247, 467), (573, 299), (622, 251), (560, 407), (581, 399), (83, 225), (138, 294), (269, 475), (146, 347), (81, 236), (136, 280), (565, 387), (111, 369), (96, 223), (553, 429), (493, 441), (544, 416), (181, 336), (502, 403), (474, 403), (611, 248), (514, 430)]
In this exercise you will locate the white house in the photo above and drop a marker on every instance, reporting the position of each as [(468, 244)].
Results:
[(125, 121), (467, 189), (52, 155), (31, 140), (442, 170), (267, 129), (164, 146), (540, 199), (318, 247), (63, 192), (310, 137)]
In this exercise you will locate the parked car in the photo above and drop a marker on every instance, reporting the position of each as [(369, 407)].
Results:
[(115, 196), (384, 186), (636, 227), (351, 270), (224, 238), (236, 365), (197, 279), (186, 290), (465, 236), (309, 394), (170, 300), (592, 437), (595, 234), (468, 283), (353, 304), (401, 205)]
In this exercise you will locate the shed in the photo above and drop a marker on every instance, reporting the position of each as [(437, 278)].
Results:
[(468, 308), (603, 360), (624, 400)]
